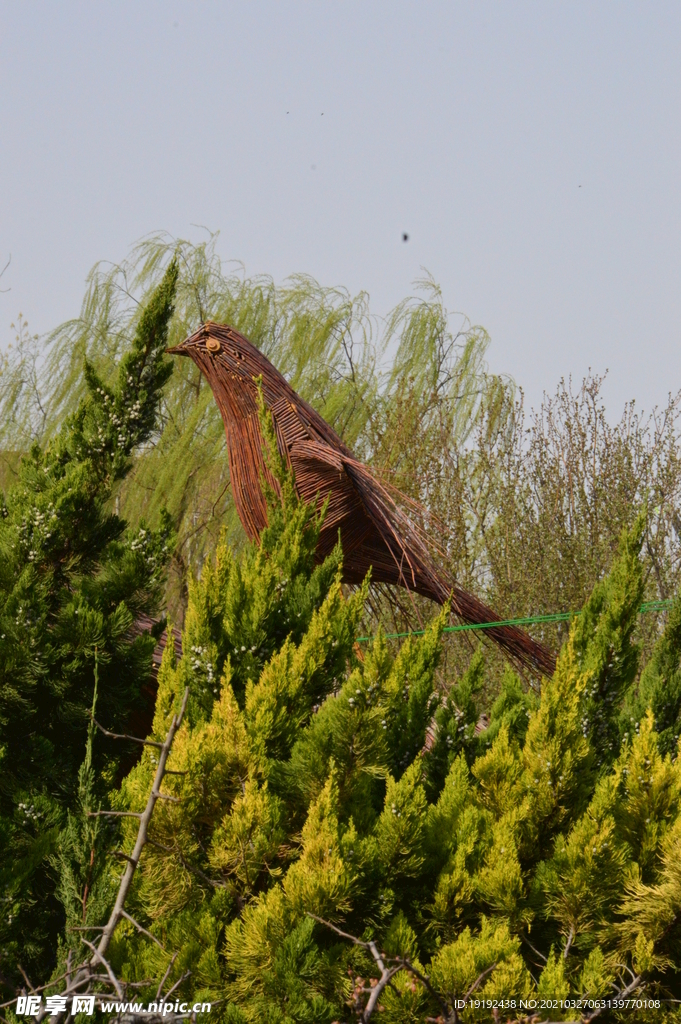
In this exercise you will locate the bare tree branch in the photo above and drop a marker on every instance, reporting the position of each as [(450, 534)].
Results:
[(3, 290), (533, 948), (338, 931), (479, 980), (145, 818), (124, 736), (386, 975), (399, 964), (107, 966), (120, 853), (140, 929), (408, 966), (48, 984), (24, 975), (113, 814), (176, 985), (216, 884), (622, 994), (84, 974), (165, 976), (570, 938)]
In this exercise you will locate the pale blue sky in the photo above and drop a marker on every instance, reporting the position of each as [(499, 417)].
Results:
[(530, 150)]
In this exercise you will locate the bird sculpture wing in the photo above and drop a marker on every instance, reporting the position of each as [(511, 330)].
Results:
[(375, 531)]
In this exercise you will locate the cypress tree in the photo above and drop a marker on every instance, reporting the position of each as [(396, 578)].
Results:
[(72, 580), (530, 861)]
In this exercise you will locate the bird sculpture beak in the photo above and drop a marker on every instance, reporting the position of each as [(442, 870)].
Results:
[(177, 350)]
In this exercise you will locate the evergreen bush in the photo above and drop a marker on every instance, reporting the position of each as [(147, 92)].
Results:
[(535, 859), (72, 580)]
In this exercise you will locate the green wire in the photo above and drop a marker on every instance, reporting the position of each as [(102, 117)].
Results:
[(529, 620)]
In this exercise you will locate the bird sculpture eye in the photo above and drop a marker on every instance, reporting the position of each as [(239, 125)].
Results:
[(213, 345)]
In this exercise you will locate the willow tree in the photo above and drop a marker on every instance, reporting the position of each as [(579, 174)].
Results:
[(526, 509), (347, 363)]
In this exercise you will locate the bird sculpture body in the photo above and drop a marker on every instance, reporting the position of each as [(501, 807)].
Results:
[(375, 531)]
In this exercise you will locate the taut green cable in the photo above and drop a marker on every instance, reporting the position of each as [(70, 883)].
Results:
[(529, 620)]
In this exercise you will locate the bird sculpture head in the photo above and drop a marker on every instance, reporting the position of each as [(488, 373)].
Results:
[(238, 373), (228, 360), (241, 379)]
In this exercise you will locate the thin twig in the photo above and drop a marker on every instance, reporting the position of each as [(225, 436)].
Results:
[(107, 966), (624, 967), (338, 931), (24, 975), (120, 853), (570, 939), (408, 966), (622, 994), (176, 985), (187, 866), (479, 980), (3, 271), (165, 976), (113, 814), (534, 950), (140, 928), (124, 736), (160, 846), (219, 497)]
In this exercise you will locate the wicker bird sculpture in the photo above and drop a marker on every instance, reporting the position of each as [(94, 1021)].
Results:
[(376, 532)]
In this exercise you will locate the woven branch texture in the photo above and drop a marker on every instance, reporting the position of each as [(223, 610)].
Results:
[(376, 530)]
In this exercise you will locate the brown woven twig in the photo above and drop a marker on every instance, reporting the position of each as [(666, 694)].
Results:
[(376, 532)]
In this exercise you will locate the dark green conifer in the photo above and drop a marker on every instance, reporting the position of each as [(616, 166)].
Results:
[(72, 579), (659, 688)]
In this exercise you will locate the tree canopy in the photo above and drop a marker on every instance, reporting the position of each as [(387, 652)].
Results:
[(344, 831), (310, 816), (527, 506)]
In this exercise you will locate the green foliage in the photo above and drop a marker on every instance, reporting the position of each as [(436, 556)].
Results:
[(81, 862), (488, 838), (526, 510), (513, 709), (458, 965), (525, 861), (659, 688), (72, 578)]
